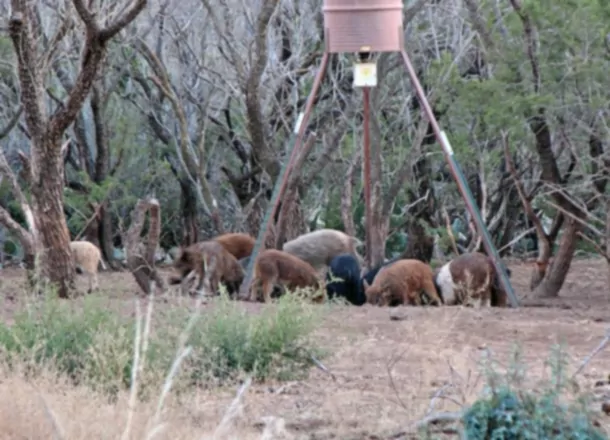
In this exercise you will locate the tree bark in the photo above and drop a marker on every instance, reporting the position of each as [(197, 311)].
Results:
[(420, 245), (141, 256), (380, 221), (47, 185), (291, 221), (188, 202), (92, 230), (102, 170), (290, 218), (46, 179), (106, 237), (556, 275)]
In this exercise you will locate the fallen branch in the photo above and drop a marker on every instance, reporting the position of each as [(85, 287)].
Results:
[(443, 417), (604, 342), (321, 366)]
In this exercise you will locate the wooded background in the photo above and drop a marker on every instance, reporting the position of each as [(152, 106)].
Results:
[(193, 102)]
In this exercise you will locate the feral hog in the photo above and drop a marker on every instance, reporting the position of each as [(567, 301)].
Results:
[(318, 248), (211, 263), (278, 267), (277, 289), (237, 244), (87, 257), (347, 268), (370, 275), (402, 283), (469, 277)]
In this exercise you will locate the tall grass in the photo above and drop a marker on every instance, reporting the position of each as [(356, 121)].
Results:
[(96, 346)]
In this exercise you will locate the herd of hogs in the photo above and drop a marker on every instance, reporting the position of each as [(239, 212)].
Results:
[(327, 262)]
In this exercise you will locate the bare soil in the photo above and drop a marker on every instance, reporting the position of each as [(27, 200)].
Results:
[(386, 373)]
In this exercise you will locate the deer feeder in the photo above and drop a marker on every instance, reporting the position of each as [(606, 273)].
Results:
[(363, 25)]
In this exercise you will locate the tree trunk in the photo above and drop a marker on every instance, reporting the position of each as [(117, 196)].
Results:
[(556, 275), (380, 223), (291, 221), (190, 227), (92, 232), (47, 184), (140, 254), (255, 214), (106, 238), (420, 246), (506, 235)]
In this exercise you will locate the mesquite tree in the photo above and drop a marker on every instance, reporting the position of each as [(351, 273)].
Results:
[(49, 230)]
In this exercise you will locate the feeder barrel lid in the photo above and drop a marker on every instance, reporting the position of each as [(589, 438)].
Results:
[(351, 25)]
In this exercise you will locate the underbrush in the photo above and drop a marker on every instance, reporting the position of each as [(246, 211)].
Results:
[(511, 409), (93, 345)]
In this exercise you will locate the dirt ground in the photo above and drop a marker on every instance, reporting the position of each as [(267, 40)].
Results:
[(386, 374)]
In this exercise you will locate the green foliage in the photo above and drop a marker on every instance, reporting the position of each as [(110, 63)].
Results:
[(10, 247), (6, 54), (272, 344), (14, 209), (91, 346), (332, 213), (510, 415), (508, 411), (396, 244), (94, 345), (80, 203)]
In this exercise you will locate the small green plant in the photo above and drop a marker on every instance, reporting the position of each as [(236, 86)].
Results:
[(94, 346), (91, 345), (511, 411), (275, 343)]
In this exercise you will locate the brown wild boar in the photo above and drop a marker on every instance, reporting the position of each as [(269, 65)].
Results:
[(318, 248), (470, 277), (278, 267), (237, 244), (402, 283), (211, 263)]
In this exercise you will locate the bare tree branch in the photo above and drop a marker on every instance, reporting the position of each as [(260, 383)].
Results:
[(28, 70), (11, 123), (93, 54)]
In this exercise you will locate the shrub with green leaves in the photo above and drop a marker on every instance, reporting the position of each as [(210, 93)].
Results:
[(274, 343), (93, 345), (510, 412), (90, 345)]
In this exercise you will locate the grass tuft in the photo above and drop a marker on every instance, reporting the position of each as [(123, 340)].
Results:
[(94, 346)]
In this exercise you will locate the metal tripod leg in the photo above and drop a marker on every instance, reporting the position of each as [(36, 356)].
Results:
[(366, 158), (280, 184), (461, 182)]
